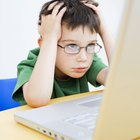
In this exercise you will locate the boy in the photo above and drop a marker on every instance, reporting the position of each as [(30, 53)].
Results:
[(66, 60)]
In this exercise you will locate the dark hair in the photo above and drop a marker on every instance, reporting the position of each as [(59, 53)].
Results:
[(76, 14)]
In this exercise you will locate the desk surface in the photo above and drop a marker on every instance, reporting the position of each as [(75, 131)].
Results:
[(10, 130)]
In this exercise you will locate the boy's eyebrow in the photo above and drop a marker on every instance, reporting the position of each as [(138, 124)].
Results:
[(75, 41)]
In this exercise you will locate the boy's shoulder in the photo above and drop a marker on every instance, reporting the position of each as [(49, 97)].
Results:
[(35, 51), (31, 58), (33, 54)]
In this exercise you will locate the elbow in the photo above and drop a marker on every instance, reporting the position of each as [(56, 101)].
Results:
[(36, 101), (102, 76)]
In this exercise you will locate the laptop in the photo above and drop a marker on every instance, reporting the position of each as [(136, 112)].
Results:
[(112, 115)]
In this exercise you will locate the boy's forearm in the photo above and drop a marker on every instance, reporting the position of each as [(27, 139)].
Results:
[(108, 43), (40, 85)]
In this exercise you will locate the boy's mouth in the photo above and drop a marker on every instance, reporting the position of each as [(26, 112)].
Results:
[(80, 69)]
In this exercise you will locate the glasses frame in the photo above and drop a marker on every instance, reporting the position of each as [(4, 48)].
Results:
[(100, 47)]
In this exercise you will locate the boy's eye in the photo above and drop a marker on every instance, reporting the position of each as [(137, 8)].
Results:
[(91, 48), (72, 47)]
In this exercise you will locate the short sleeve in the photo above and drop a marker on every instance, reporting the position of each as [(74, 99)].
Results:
[(24, 71), (96, 67)]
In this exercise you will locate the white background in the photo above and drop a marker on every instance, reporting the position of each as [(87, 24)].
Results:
[(18, 29)]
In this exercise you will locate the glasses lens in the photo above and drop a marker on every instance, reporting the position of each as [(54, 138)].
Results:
[(91, 48), (72, 49), (97, 48)]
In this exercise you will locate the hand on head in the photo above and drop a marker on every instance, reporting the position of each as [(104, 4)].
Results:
[(94, 6), (51, 23)]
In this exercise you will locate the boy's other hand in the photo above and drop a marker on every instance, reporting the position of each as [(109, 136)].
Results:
[(98, 12), (51, 24)]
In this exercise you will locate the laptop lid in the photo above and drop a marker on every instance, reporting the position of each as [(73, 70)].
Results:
[(119, 117)]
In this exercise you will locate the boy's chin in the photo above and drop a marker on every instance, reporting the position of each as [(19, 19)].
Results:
[(77, 75)]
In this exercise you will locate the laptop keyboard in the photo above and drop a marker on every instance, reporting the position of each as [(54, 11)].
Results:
[(85, 120)]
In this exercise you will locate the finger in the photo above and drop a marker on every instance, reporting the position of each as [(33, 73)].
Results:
[(51, 6), (90, 2), (56, 9), (91, 6), (42, 18), (61, 12)]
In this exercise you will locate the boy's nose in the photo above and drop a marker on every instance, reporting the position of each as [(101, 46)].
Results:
[(82, 55)]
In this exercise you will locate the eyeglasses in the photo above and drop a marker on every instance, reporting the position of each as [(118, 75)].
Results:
[(75, 49)]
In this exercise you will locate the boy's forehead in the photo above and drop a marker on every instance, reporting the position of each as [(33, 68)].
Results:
[(79, 27), (78, 33)]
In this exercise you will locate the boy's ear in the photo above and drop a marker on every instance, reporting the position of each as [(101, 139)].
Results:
[(39, 42)]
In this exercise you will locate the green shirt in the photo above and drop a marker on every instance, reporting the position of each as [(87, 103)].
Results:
[(61, 87)]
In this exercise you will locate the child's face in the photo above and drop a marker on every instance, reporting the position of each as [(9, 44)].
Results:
[(74, 65)]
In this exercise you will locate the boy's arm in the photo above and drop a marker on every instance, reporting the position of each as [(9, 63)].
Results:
[(103, 32), (37, 92), (101, 77), (107, 41)]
